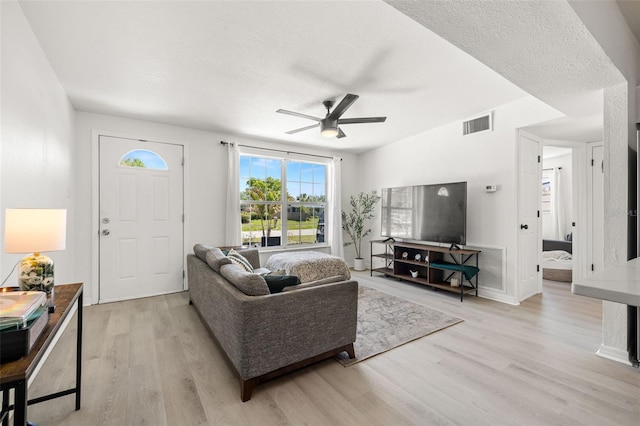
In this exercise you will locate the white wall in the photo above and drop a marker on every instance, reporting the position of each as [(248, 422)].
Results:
[(205, 180), (37, 138), (604, 20), (566, 190), (443, 155)]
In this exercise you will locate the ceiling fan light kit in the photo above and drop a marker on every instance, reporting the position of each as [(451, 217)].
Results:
[(329, 126)]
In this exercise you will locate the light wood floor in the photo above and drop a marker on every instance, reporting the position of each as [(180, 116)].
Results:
[(151, 361)]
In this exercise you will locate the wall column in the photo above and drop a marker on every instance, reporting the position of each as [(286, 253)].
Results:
[(616, 142)]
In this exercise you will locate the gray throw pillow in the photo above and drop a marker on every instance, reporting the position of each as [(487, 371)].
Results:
[(247, 282)]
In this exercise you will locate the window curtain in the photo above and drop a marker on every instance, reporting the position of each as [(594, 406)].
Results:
[(335, 209), (553, 208), (558, 203), (234, 225)]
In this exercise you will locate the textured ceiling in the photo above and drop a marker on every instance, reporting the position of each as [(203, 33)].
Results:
[(542, 46), (549, 152), (631, 11), (581, 129), (228, 66)]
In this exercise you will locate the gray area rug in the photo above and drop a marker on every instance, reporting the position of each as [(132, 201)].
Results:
[(386, 322)]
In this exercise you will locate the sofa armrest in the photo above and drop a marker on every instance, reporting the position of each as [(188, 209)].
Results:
[(263, 333), (299, 324), (283, 328)]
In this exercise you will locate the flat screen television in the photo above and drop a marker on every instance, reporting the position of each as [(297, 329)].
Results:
[(436, 213)]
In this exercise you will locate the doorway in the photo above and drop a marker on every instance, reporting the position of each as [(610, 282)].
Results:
[(557, 214), (141, 218), (574, 229)]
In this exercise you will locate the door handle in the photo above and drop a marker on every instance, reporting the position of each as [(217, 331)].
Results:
[(525, 226), (105, 232)]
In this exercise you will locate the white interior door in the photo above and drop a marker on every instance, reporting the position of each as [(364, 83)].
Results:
[(597, 207), (529, 233), (141, 218)]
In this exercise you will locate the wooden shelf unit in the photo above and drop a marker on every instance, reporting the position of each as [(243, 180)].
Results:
[(435, 266)]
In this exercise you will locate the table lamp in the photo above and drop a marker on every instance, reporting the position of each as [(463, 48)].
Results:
[(35, 231)]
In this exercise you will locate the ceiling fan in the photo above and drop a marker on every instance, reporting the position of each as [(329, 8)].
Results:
[(329, 125)]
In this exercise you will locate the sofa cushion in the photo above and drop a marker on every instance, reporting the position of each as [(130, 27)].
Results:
[(277, 282), (215, 259), (240, 260), (321, 281), (247, 282), (265, 271), (201, 250)]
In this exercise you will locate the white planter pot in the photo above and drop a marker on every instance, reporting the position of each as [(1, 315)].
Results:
[(358, 265)]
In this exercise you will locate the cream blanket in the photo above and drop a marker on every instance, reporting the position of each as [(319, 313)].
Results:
[(309, 265)]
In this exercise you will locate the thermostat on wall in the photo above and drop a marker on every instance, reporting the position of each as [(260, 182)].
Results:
[(490, 188)]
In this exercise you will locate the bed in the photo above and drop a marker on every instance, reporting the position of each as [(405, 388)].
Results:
[(557, 262)]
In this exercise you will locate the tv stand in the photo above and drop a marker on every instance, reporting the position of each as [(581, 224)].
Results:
[(454, 246), (446, 268)]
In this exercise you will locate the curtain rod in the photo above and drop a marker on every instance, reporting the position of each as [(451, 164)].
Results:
[(276, 150)]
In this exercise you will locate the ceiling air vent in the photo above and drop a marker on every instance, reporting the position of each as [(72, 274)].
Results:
[(477, 124)]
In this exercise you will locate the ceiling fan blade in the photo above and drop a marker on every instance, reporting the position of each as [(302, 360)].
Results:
[(362, 120), (302, 129), (340, 133), (344, 104), (297, 114)]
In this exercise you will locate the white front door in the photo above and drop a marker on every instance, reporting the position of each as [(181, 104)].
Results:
[(141, 218), (529, 236)]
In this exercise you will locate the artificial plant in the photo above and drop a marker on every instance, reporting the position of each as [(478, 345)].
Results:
[(354, 222)]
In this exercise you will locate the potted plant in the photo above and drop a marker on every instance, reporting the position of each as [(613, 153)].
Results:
[(354, 222)]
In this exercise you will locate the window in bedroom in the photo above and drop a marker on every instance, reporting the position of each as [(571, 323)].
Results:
[(282, 201)]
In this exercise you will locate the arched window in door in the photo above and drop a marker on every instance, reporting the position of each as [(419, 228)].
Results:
[(144, 159)]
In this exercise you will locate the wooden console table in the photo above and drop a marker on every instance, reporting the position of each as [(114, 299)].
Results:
[(432, 266), (15, 374)]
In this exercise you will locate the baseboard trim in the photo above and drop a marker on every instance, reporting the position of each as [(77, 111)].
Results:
[(497, 295), (613, 354)]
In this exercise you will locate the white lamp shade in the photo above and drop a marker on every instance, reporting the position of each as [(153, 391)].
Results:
[(35, 230)]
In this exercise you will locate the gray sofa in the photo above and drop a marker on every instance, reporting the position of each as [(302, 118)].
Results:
[(268, 335)]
